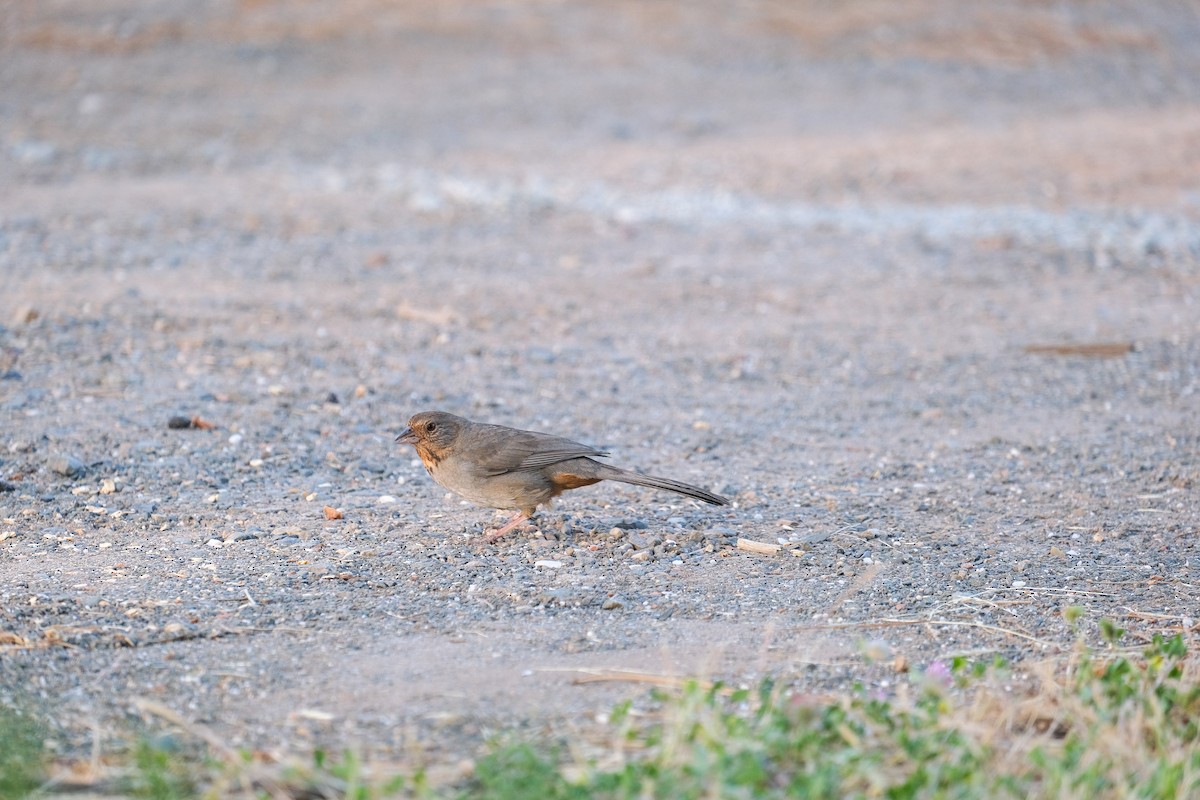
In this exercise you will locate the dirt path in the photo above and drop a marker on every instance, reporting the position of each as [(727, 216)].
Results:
[(793, 254)]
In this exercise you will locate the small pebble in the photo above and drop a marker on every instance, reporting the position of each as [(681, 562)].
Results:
[(548, 563), (643, 541), (613, 602), (179, 423), (68, 466)]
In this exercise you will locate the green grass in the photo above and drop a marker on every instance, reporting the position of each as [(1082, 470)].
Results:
[(21, 754), (1095, 725)]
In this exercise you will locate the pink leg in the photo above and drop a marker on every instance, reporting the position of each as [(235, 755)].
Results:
[(517, 519)]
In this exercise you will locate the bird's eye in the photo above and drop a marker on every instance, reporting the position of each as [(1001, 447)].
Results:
[(431, 427)]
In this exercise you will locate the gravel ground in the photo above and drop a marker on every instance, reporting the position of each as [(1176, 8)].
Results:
[(916, 284)]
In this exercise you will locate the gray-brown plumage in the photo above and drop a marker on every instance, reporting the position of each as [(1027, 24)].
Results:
[(500, 467)]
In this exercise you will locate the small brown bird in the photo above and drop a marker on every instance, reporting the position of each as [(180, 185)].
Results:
[(500, 467)]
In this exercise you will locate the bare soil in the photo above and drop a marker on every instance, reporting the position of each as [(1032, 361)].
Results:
[(917, 283)]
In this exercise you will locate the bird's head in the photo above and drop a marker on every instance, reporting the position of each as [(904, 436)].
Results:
[(431, 431)]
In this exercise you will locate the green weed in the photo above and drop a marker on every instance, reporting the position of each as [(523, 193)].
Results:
[(1096, 725)]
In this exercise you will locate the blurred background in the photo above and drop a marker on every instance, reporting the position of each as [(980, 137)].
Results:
[(914, 101)]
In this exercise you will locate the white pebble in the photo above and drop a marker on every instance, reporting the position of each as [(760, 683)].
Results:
[(387, 498), (548, 564)]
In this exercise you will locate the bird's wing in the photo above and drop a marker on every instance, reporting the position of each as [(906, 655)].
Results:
[(518, 450)]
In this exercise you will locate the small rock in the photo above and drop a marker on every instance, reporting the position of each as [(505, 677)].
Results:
[(69, 466), (613, 602), (241, 536), (5, 486), (289, 539), (642, 555), (179, 423), (10, 375), (548, 563), (643, 541)]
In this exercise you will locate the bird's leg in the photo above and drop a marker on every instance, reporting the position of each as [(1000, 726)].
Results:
[(517, 519)]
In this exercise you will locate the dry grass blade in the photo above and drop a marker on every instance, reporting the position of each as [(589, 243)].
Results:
[(154, 708), (602, 674), (1089, 350), (8, 639)]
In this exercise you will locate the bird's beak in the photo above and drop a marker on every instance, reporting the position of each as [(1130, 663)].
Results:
[(407, 436)]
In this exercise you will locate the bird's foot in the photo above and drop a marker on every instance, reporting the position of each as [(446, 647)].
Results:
[(517, 519)]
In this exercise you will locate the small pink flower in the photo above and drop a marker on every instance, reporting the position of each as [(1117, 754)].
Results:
[(939, 672)]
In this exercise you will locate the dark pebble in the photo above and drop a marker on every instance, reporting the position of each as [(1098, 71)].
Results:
[(288, 540), (5, 486), (10, 375), (179, 423), (332, 398)]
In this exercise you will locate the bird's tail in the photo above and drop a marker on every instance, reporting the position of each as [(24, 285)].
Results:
[(638, 479)]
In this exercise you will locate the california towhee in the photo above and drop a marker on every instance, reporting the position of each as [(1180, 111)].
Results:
[(500, 467)]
